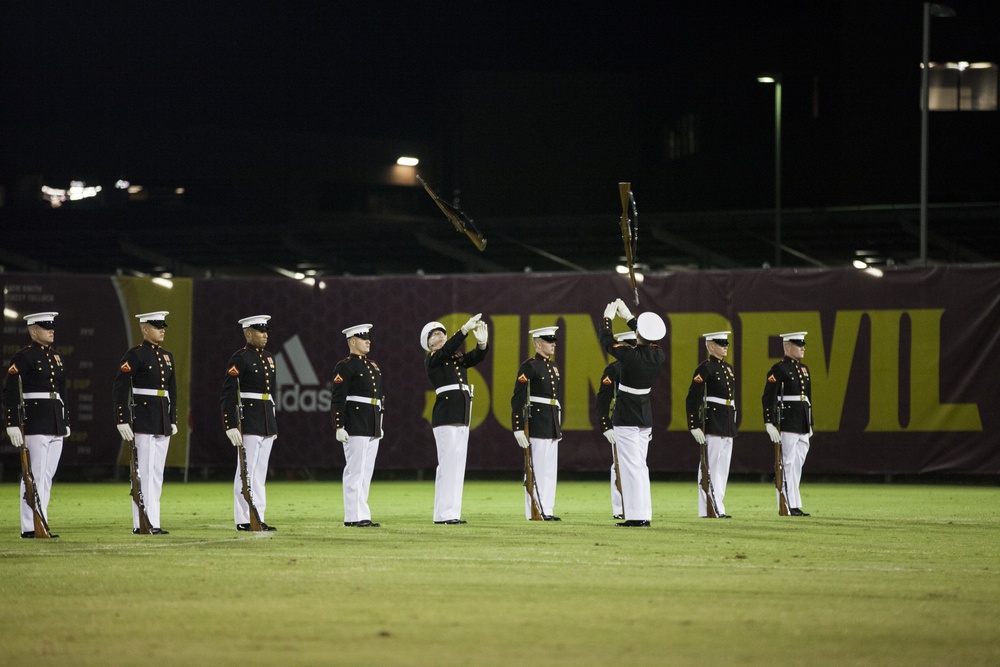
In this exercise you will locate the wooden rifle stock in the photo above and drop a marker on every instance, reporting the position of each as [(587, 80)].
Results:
[(145, 527), (256, 525), (711, 507), (537, 514), (779, 466), (30, 490)]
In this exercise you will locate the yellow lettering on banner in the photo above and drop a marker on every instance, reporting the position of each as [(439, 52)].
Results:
[(927, 413), (505, 337), (687, 350), (831, 370), (883, 376), (582, 364)]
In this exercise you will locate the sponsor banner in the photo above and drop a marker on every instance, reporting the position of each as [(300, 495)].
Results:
[(901, 365)]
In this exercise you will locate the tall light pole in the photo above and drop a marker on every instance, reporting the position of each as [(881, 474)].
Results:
[(937, 11), (776, 80)]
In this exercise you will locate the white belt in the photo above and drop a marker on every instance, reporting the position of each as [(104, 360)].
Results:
[(632, 390), (365, 399), (804, 399), (454, 387), (720, 401), (42, 395), (546, 401), (151, 392), (257, 397)]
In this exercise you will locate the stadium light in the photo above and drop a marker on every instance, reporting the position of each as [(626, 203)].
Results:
[(775, 80), (938, 11)]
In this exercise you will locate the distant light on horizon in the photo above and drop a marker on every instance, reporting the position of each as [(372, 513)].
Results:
[(164, 282), (76, 191), (10, 313), (408, 161)]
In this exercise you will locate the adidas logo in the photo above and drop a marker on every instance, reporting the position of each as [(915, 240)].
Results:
[(298, 384)]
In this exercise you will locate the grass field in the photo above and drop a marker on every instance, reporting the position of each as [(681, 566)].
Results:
[(880, 574)]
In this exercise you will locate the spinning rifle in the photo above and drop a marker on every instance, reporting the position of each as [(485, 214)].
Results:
[(630, 232), (462, 222)]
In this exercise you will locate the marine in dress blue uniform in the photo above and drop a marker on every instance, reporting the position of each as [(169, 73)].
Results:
[(36, 374), (603, 404), (632, 418), (536, 393), (446, 365), (250, 380), (711, 416), (357, 405), (789, 387), (145, 398)]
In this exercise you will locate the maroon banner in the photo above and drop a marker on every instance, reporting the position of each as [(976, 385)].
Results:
[(901, 364)]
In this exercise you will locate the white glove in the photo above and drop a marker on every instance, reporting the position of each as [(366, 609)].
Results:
[(609, 311), (14, 433), (610, 435), (699, 435), (173, 429), (126, 432), (772, 431), (623, 311), (467, 327), (482, 333), (341, 435), (234, 436), (522, 439), (67, 432)]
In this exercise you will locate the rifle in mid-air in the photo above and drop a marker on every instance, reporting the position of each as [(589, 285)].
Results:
[(630, 232), (779, 467), (30, 490), (529, 468), (711, 508), (256, 525), (462, 222), (145, 527)]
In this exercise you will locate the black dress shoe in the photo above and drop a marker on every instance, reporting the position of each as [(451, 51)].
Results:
[(366, 523), (795, 511), (243, 526), (28, 535), (634, 523), (267, 527), (549, 517), (619, 517), (726, 516), (160, 531), (451, 522)]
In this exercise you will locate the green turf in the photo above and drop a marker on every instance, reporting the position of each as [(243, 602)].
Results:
[(879, 574)]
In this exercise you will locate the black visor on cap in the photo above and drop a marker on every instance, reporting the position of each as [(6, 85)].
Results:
[(159, 324), (797, 341), (365, 335), (724, 342), (49, 324), (549, 339), (258, 327)]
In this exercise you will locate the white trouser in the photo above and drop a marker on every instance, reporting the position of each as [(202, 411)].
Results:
[(150, 456), (719, 452), (258, 452), (633, 443), (359, 455), (616, 498), (44, 451), (794, 448), (452, 447), (545, 464)]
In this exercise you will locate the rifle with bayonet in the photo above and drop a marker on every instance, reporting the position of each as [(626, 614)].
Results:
[(711, 508), (458, 218), (30, 490), (256, 525), (630, 232), (537, 514), (145, 526), (779, 466)]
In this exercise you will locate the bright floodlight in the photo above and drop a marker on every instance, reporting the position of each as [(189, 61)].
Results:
[(765, 79), (858, 264), (408, 161)]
